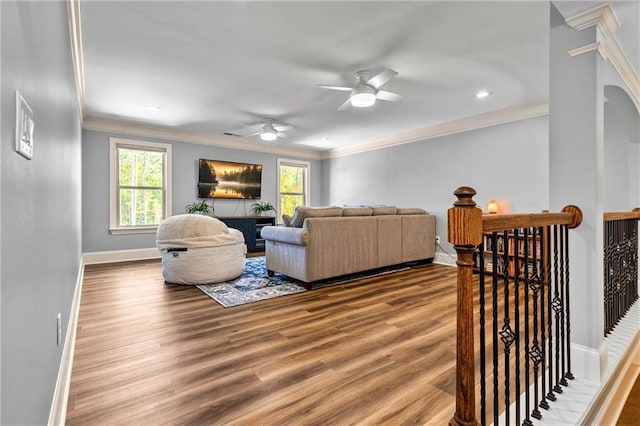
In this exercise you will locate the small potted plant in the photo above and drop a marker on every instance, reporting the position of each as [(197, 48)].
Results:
[(198, 207), (262, 207)]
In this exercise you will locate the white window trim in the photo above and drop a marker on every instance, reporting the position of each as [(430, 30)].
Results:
[(307, 185), (114, 227)]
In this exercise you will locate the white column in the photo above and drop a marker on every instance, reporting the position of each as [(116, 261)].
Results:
[(576, 172)]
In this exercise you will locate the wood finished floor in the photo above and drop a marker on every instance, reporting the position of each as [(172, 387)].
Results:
[(378, 350)]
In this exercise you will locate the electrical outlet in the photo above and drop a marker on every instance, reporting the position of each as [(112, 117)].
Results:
[(59, 328), (438, 239)]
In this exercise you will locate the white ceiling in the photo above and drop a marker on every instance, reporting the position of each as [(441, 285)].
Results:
[(214, 67)]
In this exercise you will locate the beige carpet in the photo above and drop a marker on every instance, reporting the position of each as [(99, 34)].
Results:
[(630, 415)]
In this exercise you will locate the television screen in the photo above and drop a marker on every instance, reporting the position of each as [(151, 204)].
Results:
[(224, 179)]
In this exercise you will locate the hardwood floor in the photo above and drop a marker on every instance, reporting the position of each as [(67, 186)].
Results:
[(378, 350)]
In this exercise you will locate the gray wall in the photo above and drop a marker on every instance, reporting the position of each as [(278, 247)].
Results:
[(508, 163), (621, 140), (41, 210), (95, 188)]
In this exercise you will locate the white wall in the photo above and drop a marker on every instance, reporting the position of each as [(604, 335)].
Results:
[(95, 191), (508, 163), (40, 217)]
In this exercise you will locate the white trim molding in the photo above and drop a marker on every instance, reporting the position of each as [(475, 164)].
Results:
[(114, 184), (443, 258), (58, 412), (613, 393), (96, 257), (604, 18), (465, 124), (588, 363), (77, 55), (172, 134), (306, 165)]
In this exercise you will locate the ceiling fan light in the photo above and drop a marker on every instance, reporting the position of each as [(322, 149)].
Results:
[(268, 135), (363, 100)]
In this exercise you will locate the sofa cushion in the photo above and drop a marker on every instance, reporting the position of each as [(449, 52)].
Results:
[(302, 213), (379, 211), (286, 219), (411, 211), (357, 211)]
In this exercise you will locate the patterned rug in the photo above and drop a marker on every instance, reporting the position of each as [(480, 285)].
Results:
[(254, 285)]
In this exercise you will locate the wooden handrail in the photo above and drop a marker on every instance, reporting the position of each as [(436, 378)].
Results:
[(466, 223), (570, 216), (634, 214)]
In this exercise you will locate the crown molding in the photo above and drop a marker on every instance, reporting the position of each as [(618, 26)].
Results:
[(465, 124), (602, 15), (171, 134), (75, 35), (604, 18)]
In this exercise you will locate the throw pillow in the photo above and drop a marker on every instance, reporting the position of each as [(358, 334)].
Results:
[(411, 211), (286, 219), (357, 211), (302, 213), (379, 211)]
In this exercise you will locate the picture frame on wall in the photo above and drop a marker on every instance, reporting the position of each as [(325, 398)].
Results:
[(25, 125)]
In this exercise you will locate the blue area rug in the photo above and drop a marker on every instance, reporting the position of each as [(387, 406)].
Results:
[(254, 284)]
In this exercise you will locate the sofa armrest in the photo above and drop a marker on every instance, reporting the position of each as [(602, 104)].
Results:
[(284, 234)]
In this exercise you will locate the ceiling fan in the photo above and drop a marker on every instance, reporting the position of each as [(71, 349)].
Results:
[(366, 90), (268, 130)]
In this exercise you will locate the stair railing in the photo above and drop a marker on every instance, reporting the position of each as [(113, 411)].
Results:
[(522, 299), (620, 265)]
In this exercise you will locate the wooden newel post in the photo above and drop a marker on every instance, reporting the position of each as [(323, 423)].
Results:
[(465, 233)]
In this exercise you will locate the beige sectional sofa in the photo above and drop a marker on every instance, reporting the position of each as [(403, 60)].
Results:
[(335, 241)]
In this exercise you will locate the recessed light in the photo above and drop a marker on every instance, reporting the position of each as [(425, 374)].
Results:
[(153, 108), (483, 94)]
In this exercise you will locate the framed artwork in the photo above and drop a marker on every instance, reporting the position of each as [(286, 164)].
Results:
[(226, 179), (24, 127)]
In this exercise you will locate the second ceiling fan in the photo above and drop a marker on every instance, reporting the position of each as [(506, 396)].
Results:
[(366, 90)]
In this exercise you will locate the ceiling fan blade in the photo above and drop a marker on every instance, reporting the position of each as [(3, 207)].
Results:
[(252, 134), (282, 135), (383, 95), (282, 127), (342, 88), (380, 79), (345, 105)]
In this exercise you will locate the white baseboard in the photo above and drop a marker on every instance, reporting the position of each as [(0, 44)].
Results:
[(443, 258), (588, 363), (607, 406), (96, 257), (58, 412)]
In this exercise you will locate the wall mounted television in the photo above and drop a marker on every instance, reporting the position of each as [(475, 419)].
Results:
[(225, 179)]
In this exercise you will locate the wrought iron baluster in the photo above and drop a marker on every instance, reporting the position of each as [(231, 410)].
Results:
[(483, 366), (535, 353), (608, 272), (634, 262), (506, 333), (563, 292), (494, 313), (568, 374), (527, 360), (544, 275), (516, 312), (556, 304)]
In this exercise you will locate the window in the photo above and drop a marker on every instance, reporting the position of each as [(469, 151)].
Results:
[(293, 185), (140, 185)]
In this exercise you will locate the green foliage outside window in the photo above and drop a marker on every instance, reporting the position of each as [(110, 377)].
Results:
[(141, 187)]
